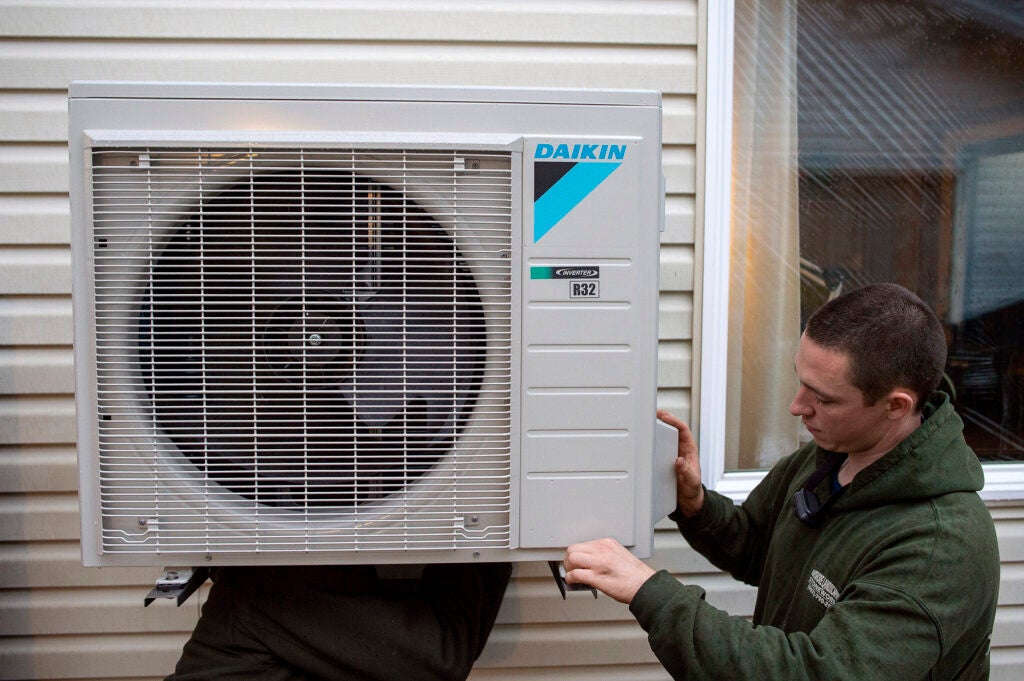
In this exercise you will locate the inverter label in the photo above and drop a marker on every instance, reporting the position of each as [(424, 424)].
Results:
[(565, 272)]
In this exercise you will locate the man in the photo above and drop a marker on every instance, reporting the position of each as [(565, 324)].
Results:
[(873, 555), (345, 623)]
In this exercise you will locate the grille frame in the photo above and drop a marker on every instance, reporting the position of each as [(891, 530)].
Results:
[(175, 510)]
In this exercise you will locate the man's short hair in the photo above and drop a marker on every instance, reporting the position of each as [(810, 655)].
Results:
[(892, 338)]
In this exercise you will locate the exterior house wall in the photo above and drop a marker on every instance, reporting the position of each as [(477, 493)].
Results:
[(62, 621)]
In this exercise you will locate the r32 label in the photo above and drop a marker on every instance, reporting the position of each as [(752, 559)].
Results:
[(584, 289)]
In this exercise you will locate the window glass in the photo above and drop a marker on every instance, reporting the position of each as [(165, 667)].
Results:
[(877, 140)]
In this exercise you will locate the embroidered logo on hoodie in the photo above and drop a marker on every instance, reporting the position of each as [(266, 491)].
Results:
[(823, 590)]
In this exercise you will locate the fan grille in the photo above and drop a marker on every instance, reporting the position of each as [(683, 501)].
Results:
[(302, 349)]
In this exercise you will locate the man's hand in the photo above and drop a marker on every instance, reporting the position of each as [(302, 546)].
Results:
[(608, 566), (689, 492)]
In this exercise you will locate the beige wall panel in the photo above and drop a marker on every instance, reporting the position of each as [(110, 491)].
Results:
[(53, 64), (680, 119), (1011, 538), (1007, 654), (27, 565), (33, 168), (127, 655), (676, 270), (675, 316), (32, 271), (30, 419), (92, 610), (32, 116), (36, 370), (1007, 664), (637, 22), (39, 517), (679, 219), (38, 469), (548, 644), (674, 363), (1011, 584), (35, 219), (35, 320), (680, 165), (676, 400)]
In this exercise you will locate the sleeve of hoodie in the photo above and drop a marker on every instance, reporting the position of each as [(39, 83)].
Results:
[(874, 632), (735, 538)]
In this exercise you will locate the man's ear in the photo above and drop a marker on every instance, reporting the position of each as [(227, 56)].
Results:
[(899, 403)]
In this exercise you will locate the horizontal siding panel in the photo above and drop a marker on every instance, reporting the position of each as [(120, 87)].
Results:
[(53, 64), (676, 273), (1011, 539), (86, 657), (680, 167), (567, 644), (33, 116), (38, 469), (675, 316), (37, 370), (675, 399), (674, 363), (35, 220), (35, 320), (1011, 584), (28, 565), (679, 220), (93, 610), (37, 420), (584, 21), (1007, 663), (35, 270), (39, 517), (34, 168), (1009, 620), (679, 119)]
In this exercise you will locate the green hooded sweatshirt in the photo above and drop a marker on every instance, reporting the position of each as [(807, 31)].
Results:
[(900, 581)]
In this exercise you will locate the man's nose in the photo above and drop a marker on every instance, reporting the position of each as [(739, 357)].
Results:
[(800, 406)]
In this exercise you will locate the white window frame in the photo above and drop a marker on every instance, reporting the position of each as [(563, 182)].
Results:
[(1003, 482)]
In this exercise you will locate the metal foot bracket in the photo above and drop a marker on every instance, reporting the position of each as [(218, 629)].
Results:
[(558, 572), (178, 583)]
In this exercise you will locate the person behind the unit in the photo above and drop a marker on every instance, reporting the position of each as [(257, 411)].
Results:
[(345, 623), (872, 553)]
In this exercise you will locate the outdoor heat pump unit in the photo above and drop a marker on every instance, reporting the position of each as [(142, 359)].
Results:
[(354, 324)]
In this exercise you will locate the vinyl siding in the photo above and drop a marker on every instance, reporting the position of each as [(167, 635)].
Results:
[(62, 621)]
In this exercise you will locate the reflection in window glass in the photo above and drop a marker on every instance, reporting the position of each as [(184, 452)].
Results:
[(907, 164)]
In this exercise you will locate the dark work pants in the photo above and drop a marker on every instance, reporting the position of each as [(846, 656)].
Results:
[(343, 623)]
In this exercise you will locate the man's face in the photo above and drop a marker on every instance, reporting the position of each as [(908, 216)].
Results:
[(831, 408)]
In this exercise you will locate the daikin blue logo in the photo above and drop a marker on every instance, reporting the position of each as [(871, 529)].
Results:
[(564, 175), (585, 152)]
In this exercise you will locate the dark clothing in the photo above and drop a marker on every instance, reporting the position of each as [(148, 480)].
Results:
[(900, 582), (343, 623)]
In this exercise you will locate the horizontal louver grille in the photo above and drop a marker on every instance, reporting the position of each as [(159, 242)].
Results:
[(302, 349)]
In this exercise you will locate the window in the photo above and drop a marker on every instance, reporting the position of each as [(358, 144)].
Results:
[(850, 142)]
